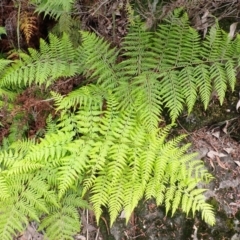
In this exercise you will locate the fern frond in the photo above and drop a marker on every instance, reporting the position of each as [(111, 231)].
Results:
[(203, 82), (99, 60), (63, 221), (51, 148), (9, 95), (134, 191), (53, 8), (115, 203), (28, 25), (24, 204), (84, 96), (218, 74), (68, 24), (100, 193), (171, 94), (9, 157), (188, 86), (231, 74), (72, 166), (135, 48), (51, 125), (185, 40), (4, 63), (147, 100), (5, 194), (54, 60)]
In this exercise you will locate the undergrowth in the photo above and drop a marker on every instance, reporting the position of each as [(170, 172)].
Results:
[(106, 148)]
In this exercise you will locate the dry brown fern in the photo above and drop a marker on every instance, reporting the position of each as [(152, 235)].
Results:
[(28, 25)]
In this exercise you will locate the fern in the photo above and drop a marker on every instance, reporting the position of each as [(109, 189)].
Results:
[(106, 143), (118, 170), (53, 8), (28, 25), (167, 68), (29, 190), (70, 25), (65, 215), (53, 61)]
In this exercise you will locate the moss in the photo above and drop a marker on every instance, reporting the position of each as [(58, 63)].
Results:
[(214, 203), (230, 224)]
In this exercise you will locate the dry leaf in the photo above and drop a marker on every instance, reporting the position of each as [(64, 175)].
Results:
[(215, 155), (228, 150), (225, 127), (79, 237), (205, 23), (212, 154), (123, 214), (204, 17), (233, 27), (216, 134), (222, 165), (222, 155), (237, 162), (238, 105)]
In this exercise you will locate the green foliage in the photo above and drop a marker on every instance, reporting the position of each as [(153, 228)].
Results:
[(107, 143), (54, 8), (29, 182), (54, 60), (70, 25)]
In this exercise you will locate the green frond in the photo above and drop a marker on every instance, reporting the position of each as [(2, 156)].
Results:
[(171, 93), (115, 203), (5, 193), (212, 44), (54, 60), (63, 221), (9, 95), (4, 63), (67, 23), (73, 165), (12, 221), (208, 214), (135, 48), (24, 166), (188, 86), (134, 191), (51, 148), (22, 146), (176, 45), (170, 192), (231, 74), (100, 193), (218, 74), (51, 125), (24, 204), (147, 100), (99, 60), (8, 158), (85, 96), (53, 8), (217, 45), (203, 82)]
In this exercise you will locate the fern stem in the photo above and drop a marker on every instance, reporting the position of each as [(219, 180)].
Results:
[(18, 24)]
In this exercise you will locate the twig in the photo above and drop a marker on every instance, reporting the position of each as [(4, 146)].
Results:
[(87, 222), (96, 238), (99, 7)]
